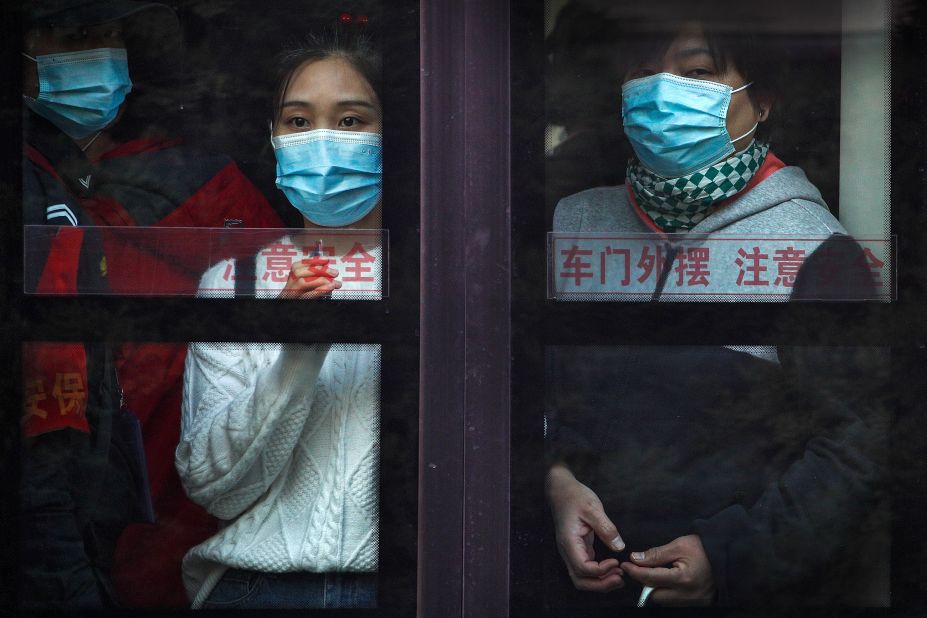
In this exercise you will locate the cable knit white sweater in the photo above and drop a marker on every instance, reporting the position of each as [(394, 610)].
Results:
[(281, 442)]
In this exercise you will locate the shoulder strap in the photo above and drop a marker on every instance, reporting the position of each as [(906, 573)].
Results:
[(245, 276)]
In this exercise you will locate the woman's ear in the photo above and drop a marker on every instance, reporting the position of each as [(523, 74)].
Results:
[(763, 109)]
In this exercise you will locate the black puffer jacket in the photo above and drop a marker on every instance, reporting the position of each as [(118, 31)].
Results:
[(775, 466)]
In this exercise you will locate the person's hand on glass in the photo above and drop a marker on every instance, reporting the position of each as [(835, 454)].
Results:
[(310, 278), (578, 518)]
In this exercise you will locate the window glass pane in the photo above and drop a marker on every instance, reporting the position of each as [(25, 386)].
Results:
[(715, 120), (208, 114), (596, 266), (652, 193), (761, 472), (207, 262), (228, 150), (257, 484)]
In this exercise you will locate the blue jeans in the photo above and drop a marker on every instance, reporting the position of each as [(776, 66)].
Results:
[(239, 589)]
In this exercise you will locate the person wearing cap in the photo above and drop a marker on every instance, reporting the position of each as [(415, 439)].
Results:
[(84, 164)]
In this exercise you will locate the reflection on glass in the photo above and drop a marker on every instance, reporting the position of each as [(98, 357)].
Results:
[(109, 105), (103, 146), (146, 261), (704, 267), (118, 199), (715, 105), (737, 475), (278, 452), (83, 478)]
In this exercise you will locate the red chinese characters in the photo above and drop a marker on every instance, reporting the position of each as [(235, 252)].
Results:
[(751, 264), (278, 260), (788, 262), (358, 264), (716, 267), (650, 264), (578, 268), (625, 255), (692, 266)]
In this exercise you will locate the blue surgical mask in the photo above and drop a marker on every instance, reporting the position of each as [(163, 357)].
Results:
[(333, 177), (80, 92), (678, 125)]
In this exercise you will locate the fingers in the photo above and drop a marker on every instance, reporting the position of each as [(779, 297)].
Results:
[(321, 291), (658, 556), (577, 553), (669, 597), (688, 581), (657, 577), (309, 290), (605, 529), (611, 580), (586, 573), (579, 517), (307, 281), (311, 272), (592, 513), (593, 568), (648, 566)]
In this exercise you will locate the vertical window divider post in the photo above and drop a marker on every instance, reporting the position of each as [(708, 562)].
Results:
[(464, 478)]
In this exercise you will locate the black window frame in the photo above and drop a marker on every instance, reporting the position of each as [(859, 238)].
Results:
[(538, 322), (480, 321), (392, 322)]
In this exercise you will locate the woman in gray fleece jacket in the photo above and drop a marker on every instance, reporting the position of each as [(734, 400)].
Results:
[(723, 499)]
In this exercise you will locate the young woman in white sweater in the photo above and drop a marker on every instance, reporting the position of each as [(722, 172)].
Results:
[(281, 441)]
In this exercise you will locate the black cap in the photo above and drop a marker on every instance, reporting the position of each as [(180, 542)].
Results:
[(83, 12)]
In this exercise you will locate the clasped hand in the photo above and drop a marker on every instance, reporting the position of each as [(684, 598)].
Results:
[(310, 278), (678, 571)]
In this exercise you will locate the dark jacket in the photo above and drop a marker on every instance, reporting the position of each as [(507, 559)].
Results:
[(774, 466), (157, 182), (79, 484)]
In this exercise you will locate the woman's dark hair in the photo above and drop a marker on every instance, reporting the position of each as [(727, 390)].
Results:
[(354, 47)]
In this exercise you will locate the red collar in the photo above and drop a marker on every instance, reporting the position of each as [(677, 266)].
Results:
[(138, 146)]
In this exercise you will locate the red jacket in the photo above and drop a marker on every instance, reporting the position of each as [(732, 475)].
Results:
[(77, 493), (157, 182)]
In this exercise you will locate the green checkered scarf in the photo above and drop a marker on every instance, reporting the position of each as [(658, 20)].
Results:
[(678, 204)]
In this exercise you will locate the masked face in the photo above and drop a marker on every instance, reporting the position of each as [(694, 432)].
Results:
[(677, 125), (681, 113), (76, 77), (328, 145), (333, 178)]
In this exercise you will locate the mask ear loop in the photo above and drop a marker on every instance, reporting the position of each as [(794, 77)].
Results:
[(92, 140), (737, 139), (746, 134)]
